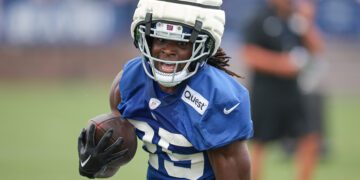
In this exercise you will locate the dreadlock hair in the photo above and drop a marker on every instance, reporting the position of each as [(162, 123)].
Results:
[(220, 60)]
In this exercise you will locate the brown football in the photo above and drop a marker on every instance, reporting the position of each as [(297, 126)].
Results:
[(122, 128)]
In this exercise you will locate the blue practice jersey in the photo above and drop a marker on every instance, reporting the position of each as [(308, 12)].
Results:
[(208, 111)]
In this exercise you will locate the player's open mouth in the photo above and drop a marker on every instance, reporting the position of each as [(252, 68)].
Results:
[(166, 68)]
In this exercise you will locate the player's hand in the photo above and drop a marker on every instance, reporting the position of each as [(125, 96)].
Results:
[(94, 158), (300, 57)]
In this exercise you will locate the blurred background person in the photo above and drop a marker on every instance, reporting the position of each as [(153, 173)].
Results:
[(310, 81), (278, 44)]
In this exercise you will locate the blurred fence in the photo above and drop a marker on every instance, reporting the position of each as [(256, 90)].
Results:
[(91, 22), (62, 22), (91, 38)]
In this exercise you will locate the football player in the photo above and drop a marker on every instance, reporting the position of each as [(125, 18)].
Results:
[(192, 116)]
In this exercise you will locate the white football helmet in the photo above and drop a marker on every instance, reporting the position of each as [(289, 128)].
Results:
[(200, 22)]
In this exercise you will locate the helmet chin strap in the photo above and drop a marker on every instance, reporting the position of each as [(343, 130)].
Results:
[(173, 84), (169, 80)]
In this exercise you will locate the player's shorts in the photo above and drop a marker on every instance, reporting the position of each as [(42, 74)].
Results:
[(277, 115), (314, 112)]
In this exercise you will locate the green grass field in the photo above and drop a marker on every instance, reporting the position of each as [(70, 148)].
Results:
[(40, 124)]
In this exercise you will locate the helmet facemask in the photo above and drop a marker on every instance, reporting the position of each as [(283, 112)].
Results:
[(198, 22), (184, 69)]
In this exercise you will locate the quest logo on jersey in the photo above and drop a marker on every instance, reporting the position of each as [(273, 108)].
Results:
[(195, 100)]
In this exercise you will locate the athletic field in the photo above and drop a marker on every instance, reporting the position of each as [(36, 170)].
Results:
[(40, 123)]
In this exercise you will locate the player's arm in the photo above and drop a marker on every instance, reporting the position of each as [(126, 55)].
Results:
[(231, 162), (115, 97), (267, 61), (313, 41), (311, 38)]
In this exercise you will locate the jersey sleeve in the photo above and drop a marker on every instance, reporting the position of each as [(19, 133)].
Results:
[(225, 122), (130, 83), (128, 80)]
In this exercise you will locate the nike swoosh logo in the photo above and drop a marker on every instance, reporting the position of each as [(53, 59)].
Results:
[(84, 162), (228, 111)]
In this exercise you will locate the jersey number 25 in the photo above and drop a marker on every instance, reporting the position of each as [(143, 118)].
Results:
[(166, 138)]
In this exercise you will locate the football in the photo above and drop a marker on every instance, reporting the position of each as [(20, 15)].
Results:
[(122, 128)]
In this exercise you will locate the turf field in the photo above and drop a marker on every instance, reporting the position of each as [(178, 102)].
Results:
[(40, 124)]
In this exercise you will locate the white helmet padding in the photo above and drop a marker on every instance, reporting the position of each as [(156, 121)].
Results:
[(200, 22), (184, 12)]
